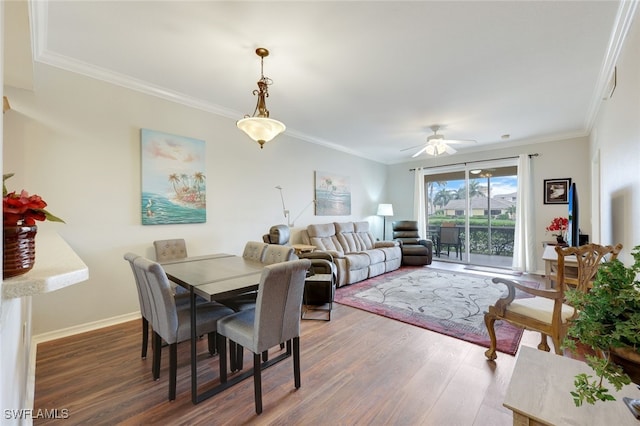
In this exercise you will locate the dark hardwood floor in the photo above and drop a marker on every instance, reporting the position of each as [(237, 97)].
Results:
[(359, 368)]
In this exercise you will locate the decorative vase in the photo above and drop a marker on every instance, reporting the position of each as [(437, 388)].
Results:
[(560, 239), (19, 250)]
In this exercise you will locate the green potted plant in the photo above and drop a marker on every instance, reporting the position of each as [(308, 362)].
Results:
[(608, 323)]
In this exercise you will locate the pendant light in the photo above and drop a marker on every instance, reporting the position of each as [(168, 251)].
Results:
[(260, 127)]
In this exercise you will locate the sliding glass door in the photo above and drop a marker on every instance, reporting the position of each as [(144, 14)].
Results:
[(470, 212)]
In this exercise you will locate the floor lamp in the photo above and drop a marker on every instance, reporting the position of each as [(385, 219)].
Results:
[(385, 210)]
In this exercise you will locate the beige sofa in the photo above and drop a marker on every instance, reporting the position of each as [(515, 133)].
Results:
[(355, 251)]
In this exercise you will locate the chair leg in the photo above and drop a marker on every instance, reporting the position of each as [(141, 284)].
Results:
[(489, 321), (233, 358), (257, 382), (173, 370), (265, 356), (145, 337), (296, 361), (239, 357), (157, 354), (557, 345), (222, 354), (211, 340), (543, 346)]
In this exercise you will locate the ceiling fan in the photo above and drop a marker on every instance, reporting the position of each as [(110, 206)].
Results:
[(438, 145)]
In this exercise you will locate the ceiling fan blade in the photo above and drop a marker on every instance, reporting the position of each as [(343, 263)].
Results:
[(411, 147), (449, 150), (459, 141), (419, 152)]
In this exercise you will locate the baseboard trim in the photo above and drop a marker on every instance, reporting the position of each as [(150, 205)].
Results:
[(83, 328)]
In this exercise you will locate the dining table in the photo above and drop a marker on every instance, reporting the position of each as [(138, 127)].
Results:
[(214, 277)]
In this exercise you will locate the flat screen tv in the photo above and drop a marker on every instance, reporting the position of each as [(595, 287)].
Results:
[(573, 229)]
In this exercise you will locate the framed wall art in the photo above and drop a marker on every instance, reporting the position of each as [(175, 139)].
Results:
[(173, 179), (333, 194), (556, 191)]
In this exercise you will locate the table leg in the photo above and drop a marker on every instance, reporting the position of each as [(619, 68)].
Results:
[(194, 359)]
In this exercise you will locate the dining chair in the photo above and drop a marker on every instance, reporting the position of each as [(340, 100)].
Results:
[(547, 312), (172, 324), (254, 250), (275, 253), (172, 249), (145, 303), (274, 321)]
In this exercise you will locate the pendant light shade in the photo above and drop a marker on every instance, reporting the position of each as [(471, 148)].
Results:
[(260, 127)]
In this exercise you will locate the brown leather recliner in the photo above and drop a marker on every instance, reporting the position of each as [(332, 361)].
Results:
[(415, 250)]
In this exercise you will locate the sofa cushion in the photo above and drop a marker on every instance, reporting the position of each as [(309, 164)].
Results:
[(354, 236), (323, 236)]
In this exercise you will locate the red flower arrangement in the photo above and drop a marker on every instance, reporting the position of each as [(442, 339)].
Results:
[(558, 224), (23, 209)]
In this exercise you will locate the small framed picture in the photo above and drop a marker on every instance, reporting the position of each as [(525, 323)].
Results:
[(556, 191)]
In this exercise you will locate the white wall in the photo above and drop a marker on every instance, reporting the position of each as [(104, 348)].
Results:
[(615, 140), (558, 159), (76, 142)]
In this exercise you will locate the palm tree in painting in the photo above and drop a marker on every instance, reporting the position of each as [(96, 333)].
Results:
[(198, 179), (185, 182), (174, 179)]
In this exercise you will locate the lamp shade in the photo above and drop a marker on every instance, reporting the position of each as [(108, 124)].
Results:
[(385, 209), (261, 129)]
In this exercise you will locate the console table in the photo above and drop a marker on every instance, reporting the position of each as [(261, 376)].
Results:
[(538, 393)]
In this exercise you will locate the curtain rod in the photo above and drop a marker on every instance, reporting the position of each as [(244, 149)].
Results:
[(476, 161)]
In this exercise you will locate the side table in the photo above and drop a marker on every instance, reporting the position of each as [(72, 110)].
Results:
[(319, 290), (303, 248)]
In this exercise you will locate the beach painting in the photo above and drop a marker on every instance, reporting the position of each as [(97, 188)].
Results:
[(173, 179), (333, 194)]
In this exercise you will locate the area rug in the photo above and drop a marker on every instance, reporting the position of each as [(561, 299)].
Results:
[(450, 303)]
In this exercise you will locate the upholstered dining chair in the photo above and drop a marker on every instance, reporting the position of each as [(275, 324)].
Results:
[(546, 311), (274, 321), (144, 300), (254, 250), (275, 254), (173, 249), (170, 323), (167, 250)]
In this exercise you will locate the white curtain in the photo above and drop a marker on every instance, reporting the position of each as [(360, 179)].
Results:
[(419, 213), (524, 253)]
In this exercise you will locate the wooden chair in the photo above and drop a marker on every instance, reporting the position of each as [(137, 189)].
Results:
[(546, 312)]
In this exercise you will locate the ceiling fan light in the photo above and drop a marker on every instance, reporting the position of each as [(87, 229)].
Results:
[(261, 129), (430, 150)]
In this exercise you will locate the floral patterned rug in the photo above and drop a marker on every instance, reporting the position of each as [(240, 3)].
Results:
[(450, 303)]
